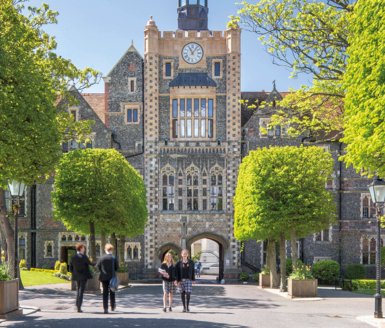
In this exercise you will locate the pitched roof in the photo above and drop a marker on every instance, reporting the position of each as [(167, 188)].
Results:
[(96, 102), (193, 80)]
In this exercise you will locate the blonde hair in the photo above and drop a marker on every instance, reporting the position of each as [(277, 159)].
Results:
[(165, 258), (185, 250), (108, 248)]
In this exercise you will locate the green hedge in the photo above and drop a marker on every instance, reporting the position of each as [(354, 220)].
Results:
[(42, 270), (367, 284), (327, 271), (355, 271)]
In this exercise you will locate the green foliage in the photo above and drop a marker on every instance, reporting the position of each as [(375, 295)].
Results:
[(4, 273), (43, 270), (327, 271), (355, 271), (283, 188), (301, 272), (368, 284), (57, 266), (63, 268), (365, 89), (99, 186), (23, 264), (255, 277), (244, 276), (32, 77), (265, 270), (289, 267), (308, 37), (196, 257)]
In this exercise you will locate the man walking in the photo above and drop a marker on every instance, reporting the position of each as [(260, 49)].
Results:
[(107, 265), (80, 268)]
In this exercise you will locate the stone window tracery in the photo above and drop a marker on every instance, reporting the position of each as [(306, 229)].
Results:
[(368, 250), (368, 210), (192, 118), (216, 189), (168, 188), (324, 235), (192, 181), (132, 251)]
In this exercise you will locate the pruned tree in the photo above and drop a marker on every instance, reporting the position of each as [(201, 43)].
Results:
[(97, 190), (365, 85), (309, 37), (32, 77), (281, 195)]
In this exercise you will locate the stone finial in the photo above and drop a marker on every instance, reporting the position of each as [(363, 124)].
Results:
[(151, 22)]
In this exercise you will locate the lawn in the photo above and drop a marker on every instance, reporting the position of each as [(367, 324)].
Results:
[(33, 278)]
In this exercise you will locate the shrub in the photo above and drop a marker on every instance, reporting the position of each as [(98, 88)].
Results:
[(63, 268), (255, 277), (4, 273), (23, 265), (327, 271), (301, 272), (366, 284), (289, 267), (265, 270), (57, 266), (244, 276), (355, 271), (42, 270)]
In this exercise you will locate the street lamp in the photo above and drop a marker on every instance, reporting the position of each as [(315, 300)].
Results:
[(17, 190), (377, 192)]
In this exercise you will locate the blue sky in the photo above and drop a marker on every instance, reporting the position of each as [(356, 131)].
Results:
[(97, 33)]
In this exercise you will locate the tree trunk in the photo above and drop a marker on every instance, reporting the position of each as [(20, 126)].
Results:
[(272, 263), (121, 243), (294, 249), (9, 234), (103, 240), (92, 242), (113, 242), (282, 255)]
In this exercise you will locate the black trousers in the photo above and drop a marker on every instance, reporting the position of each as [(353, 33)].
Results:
[(106, 291), (81, 286)]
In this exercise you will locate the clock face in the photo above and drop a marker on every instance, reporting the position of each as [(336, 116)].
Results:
[(192, 53)]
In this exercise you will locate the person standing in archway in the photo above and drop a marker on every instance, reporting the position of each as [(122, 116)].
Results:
[(185, 278), (167, 270)]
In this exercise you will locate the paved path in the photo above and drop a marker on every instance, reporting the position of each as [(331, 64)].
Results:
[(212, 306)]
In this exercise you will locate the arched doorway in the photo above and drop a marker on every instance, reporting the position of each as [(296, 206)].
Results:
[(170, 247), (221, 243)]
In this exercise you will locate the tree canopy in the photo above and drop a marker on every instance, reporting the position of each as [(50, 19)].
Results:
[(311, 37), (32, 77), (365, 86), (99, 186), (281, 189)]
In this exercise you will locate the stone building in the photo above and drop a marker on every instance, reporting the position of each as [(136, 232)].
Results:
[(175, 114)]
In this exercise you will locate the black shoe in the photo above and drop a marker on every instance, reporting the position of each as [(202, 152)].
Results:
[(170, 309), (188, 309), (184, 309), (80, 310), (105, 311), (113, 308), (164, 310)]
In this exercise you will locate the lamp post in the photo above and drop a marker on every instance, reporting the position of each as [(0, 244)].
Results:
[(377, 192), (17, 190)]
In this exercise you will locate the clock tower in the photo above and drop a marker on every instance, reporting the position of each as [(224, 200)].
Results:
[(192, 145)]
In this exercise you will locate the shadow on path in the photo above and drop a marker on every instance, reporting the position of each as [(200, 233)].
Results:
[(119, 322)]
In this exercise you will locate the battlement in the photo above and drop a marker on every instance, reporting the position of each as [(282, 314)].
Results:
[(203, 35)]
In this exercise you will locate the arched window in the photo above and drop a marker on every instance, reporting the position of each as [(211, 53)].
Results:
[(136, 253), (129, 252), (204, 191), (168, 188), (368, 209), (216, 189), (368, 249), (192, 180)]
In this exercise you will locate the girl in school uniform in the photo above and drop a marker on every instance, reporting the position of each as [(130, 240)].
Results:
[(185, 278), (167, 270)]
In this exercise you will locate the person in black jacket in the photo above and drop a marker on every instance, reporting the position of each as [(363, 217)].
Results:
[(80, 268), (167, 270), (107, 266), (185, 278)]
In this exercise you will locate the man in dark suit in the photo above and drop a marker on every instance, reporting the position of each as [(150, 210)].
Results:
[(80, 268), (107, 266)]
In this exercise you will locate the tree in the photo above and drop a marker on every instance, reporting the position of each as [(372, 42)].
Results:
[(281, 195), (310, 37), (32, 77), (365, 90), (97, 190)]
